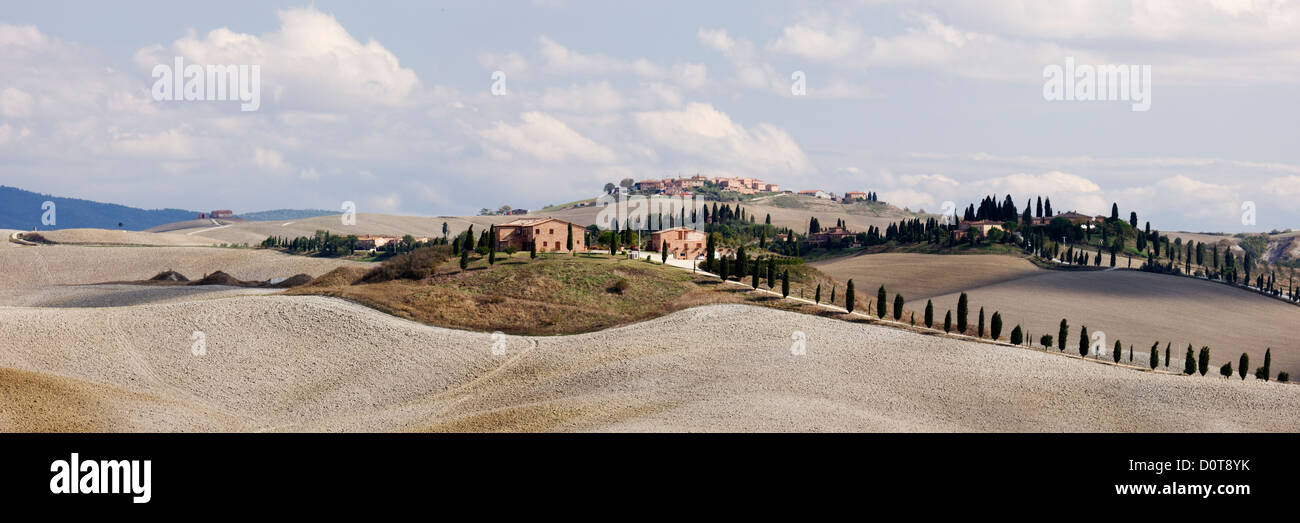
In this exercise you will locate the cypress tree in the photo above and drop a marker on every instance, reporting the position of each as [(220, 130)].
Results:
[(1083, 341), (947, 321), (492, 249), (832, 302), (709, 255), (464, 259), (961, 312), (1268, 363), (880, 303), (1189, 364), (1017, 336), (848, 297), (722, 269), (785, 284), (568, 243), (1204, 363), (818, 297), (1167, 345), (980, 329), (1242, 365), (1119, 349), (995, 329), (1062, 335), (1155, 356), (663, 252), (929, 314), (755, 275), (898, 307), (532, 249), (1130, 353), (771, 272)]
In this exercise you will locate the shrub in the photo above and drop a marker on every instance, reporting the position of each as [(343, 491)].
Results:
[(1017, 337), (995, 329), (1283, 377), (947, 322), (620, 286), (415, 265), (1226, 370), (1261, 373), (1203, 364), (1046, 341), (1242, 365), (1189, 364)]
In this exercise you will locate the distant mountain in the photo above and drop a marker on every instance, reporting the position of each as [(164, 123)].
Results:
[(23, 210), (285, 214)]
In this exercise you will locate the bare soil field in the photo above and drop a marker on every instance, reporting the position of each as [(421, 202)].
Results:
[(116, 295), (306, 363), (253, 232), (117, 237), (38, 266), (922, 276), (1141, 308)]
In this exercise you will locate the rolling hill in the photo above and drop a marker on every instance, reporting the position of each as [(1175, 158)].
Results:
[(22, 210)]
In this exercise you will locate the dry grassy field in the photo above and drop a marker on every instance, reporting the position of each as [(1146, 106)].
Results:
[(304, 363), (922, 276), (22, 266), (253, 232), (1141, 308)]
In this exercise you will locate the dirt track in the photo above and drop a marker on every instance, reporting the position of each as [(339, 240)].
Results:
[(311, 363)]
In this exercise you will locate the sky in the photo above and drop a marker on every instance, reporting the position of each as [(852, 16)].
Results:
[(443, 108)]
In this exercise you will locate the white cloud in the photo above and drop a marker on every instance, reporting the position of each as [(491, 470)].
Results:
[(591, 97), (545, 138), (15, 103), (270, 160), (709, 135), (311, 61)]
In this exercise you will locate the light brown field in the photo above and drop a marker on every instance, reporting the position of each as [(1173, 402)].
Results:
[(22, 266), (118, 237), (296, 363), (253, 232), (922, 276), (1141, 308)]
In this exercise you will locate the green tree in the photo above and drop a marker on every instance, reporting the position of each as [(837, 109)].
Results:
[(1046, 341), (785, 284), (1017, 336), (1268, 363), (881, 308), (832, 302), (464, 259), (979, 330), (1083, 341), (947, 321), (723, 268), (532, 250), (754, 282), (898, 307), (663, 252), (568, 243), (818, 297), (995, 326), (1155, 355), (929, 314), (848, 297), (492, 249), (771, 272), (1226, 370), (962, 306), (1119, 349), (1203, 363), (1189, 364), (1167, 345), (1242, 365), (1062, 334)]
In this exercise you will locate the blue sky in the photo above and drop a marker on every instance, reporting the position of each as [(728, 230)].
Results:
[(389, 104)]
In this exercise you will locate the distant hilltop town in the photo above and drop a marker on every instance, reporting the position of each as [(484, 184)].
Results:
[(706, 186)]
